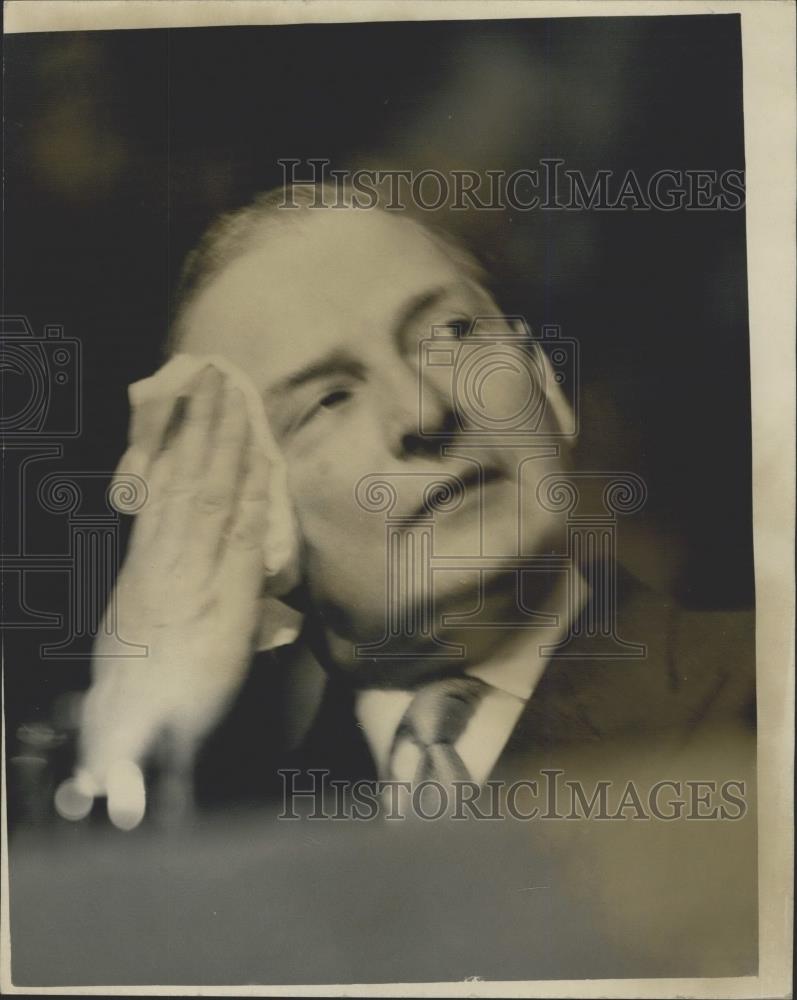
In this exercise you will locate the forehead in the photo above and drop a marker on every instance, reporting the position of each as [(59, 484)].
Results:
[(310, 284)]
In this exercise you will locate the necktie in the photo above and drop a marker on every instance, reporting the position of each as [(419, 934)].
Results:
[(434, 721)]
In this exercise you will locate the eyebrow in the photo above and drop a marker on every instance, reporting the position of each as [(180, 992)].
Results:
[(335, 363), (417, 306), (338, 362)]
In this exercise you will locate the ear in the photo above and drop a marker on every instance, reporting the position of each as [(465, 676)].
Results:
[(560, 413)]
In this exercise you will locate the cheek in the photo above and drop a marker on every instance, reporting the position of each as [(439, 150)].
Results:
[(515, 390), (319, 489), (322, 485), (343, 546), (324, 466)]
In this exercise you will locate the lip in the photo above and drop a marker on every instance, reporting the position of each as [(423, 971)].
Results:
[(470, 484)]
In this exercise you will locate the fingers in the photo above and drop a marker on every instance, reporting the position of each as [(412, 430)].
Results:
[(127, 796), (109, 759), (242, 557), (122, 714), (195, 480), (172, 471), (124, 789), (208, 488), (125, 714), (218, 491), (191, 441), (178, 473)]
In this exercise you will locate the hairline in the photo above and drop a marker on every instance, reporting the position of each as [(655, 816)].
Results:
[(234, 234)]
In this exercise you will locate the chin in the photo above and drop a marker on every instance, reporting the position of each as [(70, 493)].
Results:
[(406, 660)]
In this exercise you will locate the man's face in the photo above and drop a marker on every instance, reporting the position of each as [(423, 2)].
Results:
[(327, 316)]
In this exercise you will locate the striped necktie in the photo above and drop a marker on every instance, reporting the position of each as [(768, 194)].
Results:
[(434, 721)]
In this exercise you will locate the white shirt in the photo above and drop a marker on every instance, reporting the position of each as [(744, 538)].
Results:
[(511, 678), (511, 684)]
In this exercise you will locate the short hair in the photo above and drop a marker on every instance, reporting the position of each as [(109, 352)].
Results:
[(234, 233)]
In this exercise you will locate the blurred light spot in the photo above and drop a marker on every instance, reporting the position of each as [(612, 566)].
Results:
[(28, 760), (39, 735)]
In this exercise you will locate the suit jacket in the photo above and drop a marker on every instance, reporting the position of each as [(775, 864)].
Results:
[(530, 899), (697, 677)]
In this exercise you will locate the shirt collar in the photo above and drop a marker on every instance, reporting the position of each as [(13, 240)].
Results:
[(379, 711), (516, 672)]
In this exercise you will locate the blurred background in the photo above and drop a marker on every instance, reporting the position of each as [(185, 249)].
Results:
[(122, 146)]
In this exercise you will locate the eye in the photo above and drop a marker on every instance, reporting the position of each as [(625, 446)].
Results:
[(331, 400), (317, 403), (335, 398)]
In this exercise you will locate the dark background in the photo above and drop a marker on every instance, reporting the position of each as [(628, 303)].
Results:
[(122, 146)]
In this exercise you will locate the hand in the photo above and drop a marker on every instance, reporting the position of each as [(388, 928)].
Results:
[(189, 591)]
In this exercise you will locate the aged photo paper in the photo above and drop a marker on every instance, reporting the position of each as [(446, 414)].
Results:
[(398, 437)]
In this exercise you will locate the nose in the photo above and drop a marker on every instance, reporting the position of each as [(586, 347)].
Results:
[(407, 434)]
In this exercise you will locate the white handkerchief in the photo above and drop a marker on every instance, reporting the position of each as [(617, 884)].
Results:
[(152, 401)]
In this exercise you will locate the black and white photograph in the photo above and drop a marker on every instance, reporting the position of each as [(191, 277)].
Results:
[(393, 543)]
